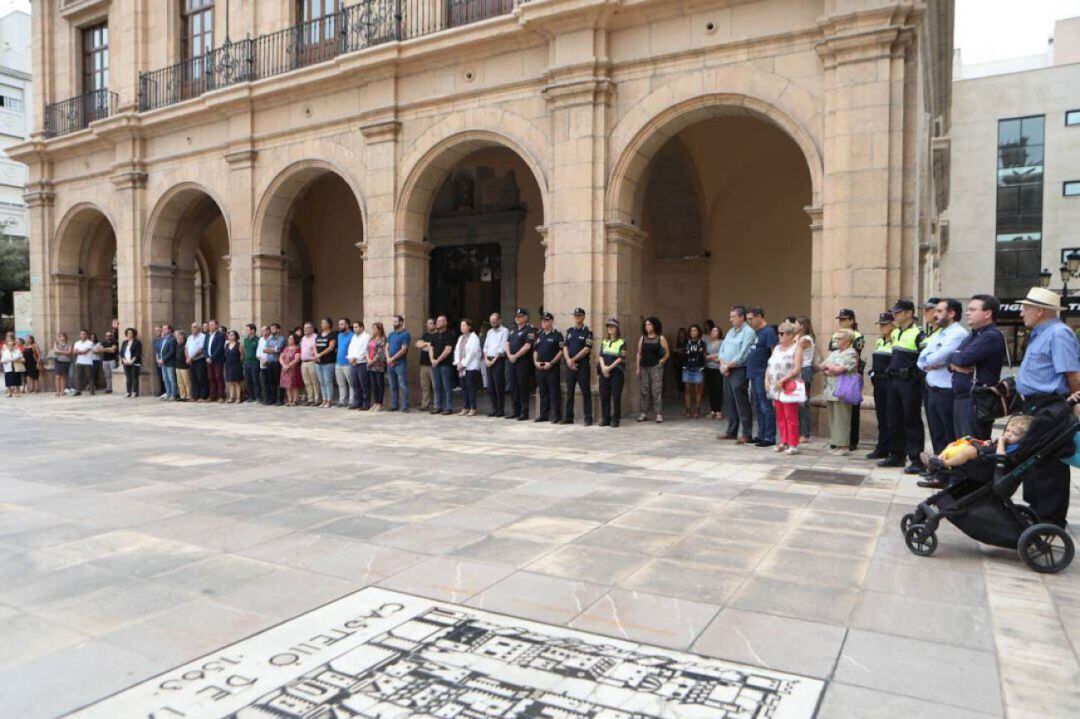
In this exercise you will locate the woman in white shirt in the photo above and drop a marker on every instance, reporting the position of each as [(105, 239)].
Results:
[(12, 358), (467, 361)]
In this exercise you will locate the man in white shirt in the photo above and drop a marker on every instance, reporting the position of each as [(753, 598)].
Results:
[(934, 361), (84, 364), (196, 356), (358, 357), (495, 361)]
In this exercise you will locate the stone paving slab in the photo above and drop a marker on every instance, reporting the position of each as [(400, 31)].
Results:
[(135, 535)]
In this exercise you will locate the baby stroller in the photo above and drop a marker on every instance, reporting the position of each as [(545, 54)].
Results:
[(978, 499)]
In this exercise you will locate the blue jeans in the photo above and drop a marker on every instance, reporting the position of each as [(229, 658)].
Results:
[(763, 407), (168, 377), (442, 378), (361, 396), (398, 377), (325, 373)]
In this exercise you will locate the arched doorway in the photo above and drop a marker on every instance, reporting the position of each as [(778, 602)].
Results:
[(724, 217), (480, 210), (313, 221), (189, 259), (84, 293)]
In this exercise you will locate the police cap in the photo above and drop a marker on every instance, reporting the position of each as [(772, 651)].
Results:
[(579, 311), (931, 303), (903, 306), (547, 316), (521, 311), (885, 318), (845, 314)]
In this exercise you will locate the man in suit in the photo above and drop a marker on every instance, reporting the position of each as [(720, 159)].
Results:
[(167, 362), (215, 362), (157, 360)]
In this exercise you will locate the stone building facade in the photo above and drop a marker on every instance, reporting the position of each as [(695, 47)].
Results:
[(298, 159)]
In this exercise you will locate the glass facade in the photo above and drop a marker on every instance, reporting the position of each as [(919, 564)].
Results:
[(1019, 205)]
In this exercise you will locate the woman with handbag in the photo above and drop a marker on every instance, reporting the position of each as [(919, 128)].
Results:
[(784, 386), (842, 389)]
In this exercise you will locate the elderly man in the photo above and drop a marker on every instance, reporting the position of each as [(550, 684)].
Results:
[(1049, 373), (734, 351)]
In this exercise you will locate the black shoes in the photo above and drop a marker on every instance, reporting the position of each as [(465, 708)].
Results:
[(933, 482), (915, 468), (878, 454), (605, 423), (764, 443), (541, 419), (588, 422), (566, 420), (523, 418), (891, 462)]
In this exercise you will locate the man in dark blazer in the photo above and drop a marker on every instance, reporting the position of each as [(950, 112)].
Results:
[(168, 362), (215, 362)]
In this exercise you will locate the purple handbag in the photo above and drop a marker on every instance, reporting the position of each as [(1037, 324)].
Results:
[(849, 388)]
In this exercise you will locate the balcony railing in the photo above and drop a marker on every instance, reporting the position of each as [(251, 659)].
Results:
[(366, 24), (76, 113)]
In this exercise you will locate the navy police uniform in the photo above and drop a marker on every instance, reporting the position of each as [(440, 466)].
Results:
[(879, 375), (521, 369), (578, 340), (548, 348)]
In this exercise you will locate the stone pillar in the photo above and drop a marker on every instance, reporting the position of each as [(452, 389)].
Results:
[(241, 213), (866, 248), (622, 280), (388, 255), (269, 283), (819, 305), (39, 198), (65, 296)]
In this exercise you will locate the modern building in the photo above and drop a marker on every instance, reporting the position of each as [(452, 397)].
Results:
[(289, 159), (1015, 186), (16, 119)]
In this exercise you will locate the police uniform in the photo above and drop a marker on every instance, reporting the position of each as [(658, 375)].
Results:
[(578, 339), (521, 369), (548, 348), (611, 387), (879, 376), (905, 393)]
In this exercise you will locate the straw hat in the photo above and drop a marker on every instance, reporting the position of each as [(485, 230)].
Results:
[(1043, 298)]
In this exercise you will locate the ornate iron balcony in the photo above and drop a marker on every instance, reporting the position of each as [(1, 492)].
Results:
[(366, 24), (76, 113)]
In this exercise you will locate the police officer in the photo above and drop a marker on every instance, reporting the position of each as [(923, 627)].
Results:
[(547, 355), (576, 355), (879, 375), (612, 368), (905, 391), (519, 351), (929, 324)]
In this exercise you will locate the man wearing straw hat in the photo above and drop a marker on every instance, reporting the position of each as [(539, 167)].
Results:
[(1049, 373)]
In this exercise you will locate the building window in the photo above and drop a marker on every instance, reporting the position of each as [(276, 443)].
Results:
[(1071, 188), (318, 31), (197, 21), (1019, 204), (1072, 117), (11, 103), (95, 54)]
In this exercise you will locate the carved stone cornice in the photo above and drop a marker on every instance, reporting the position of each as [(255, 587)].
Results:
[(816, 213), (412, 249), (362, 245), (241, 158), (157, 271), (868, 35), (623, 234), (377, 131), (267, 261), (67, 278), (129, 175), (586, 84), (39, 194)]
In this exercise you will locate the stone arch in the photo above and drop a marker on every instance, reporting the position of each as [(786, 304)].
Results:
[(310, 234), (448, 142), (273, 210), (82, 286), (659, 117), (187, 255)]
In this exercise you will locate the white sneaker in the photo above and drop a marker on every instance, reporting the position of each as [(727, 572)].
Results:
[(791, 450)]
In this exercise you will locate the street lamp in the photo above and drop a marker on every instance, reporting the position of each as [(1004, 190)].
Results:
[(1044, 278)]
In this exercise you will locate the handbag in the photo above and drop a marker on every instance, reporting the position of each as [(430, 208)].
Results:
[(792, 392), (849, 388), (994, 401)]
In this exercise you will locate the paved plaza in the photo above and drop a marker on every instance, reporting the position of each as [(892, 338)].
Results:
[(137, 536)]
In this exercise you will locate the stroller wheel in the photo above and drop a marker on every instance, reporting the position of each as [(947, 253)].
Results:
[(920, 540), (1046, 548), (906, 521), (1028, 514)]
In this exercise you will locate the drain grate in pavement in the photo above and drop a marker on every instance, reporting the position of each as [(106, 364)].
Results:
[(818, 477)]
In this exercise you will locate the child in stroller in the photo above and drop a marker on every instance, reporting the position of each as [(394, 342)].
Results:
[(941, 467), (981, 481)]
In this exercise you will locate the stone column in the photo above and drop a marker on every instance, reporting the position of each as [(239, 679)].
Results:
[(819, 305), (241, 213), (65, 296), (39, 198), (867, 251), (269, 283), (622, 282)]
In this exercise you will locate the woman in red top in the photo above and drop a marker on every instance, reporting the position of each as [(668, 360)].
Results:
[(291, 381), (376, 365)]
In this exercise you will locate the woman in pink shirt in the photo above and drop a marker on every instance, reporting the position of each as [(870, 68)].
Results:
[(307, 366), (290, 371)]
